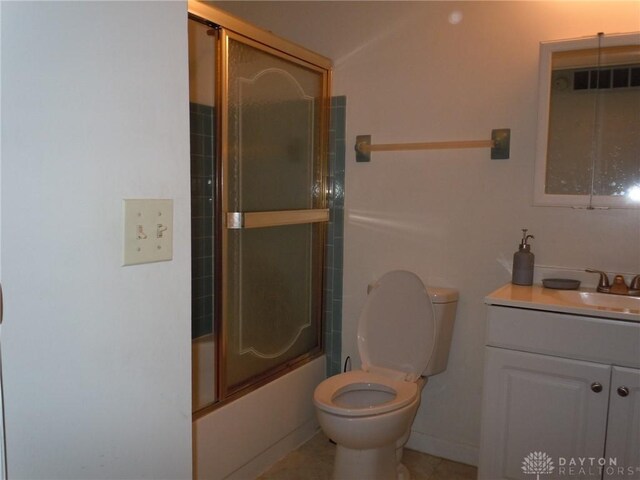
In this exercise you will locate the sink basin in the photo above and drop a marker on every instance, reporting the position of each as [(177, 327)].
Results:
[(580, 302), (600, 300)]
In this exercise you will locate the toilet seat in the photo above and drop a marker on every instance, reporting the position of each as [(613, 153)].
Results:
[(392, 394), (396, 338)]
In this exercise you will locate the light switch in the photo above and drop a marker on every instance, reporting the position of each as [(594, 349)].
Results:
[(148, 231)]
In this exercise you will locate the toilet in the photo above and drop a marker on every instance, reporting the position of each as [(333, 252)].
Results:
[(404, 335)]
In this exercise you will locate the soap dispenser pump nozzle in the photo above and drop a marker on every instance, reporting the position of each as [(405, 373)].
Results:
[(525, 238)]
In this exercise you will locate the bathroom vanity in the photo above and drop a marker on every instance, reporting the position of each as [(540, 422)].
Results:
[(561, 385)]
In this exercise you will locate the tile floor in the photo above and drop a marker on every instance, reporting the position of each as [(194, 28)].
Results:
[(314, 461)]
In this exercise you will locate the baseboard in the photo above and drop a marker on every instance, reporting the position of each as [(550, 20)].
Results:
[(458, 452), (280, 449)]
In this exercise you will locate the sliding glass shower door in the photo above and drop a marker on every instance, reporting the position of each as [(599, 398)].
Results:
[(273, 122), (259, 138)]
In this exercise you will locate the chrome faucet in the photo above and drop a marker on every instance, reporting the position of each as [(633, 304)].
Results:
[(619, 286)]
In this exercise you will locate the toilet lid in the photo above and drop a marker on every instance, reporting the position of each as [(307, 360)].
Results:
[(396, 331)]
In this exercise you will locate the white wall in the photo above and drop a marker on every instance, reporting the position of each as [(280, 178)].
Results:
[(454, 217), (96, 356), (3, 475)]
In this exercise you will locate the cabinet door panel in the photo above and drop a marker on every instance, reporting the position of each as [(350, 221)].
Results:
[(623, 434), (537, 403)]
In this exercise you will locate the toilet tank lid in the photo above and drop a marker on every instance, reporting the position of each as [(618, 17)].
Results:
[(442, 294)]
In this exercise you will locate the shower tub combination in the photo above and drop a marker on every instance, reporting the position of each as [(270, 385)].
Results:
[(259, 136)]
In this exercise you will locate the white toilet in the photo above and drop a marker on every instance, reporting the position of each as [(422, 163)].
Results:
[(404, 335)]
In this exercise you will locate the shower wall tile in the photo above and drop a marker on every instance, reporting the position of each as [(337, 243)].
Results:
[(201, 186), (201, 227), (200, 247), (202, 127), (328, 251), (335, 238), (202, 267), (201, 207), (203, 287)]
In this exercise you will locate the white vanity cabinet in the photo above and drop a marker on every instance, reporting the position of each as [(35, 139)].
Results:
[(563, 385), (623, 428)]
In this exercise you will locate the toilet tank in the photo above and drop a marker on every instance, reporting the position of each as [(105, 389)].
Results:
[(445, 302)]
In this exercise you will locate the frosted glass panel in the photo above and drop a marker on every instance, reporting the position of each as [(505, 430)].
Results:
[(273, 315), (274, 129), (617, 165), (272, 307), (594, 122), (570, 148)]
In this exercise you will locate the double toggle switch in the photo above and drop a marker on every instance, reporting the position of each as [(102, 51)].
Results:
[(159, 231), (148, 231)]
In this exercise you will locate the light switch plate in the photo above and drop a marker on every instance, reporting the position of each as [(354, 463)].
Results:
[(148, 231)]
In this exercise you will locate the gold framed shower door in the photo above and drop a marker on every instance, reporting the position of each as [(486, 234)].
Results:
[(249, 223)]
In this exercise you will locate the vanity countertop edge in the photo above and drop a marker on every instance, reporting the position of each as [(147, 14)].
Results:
[(537, 297)]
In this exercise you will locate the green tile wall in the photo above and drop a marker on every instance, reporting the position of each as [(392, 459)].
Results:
[(335, 238), (202, 123)]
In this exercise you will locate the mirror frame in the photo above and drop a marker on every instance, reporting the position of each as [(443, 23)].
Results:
[(547, 49)]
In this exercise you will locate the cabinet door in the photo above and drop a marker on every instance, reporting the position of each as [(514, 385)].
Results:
[(537, 403), (623, 433)]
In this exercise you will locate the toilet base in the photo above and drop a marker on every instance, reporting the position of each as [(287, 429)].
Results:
[(372, 464), (403, 472)]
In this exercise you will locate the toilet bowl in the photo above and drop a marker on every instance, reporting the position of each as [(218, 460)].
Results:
[(404, 334)]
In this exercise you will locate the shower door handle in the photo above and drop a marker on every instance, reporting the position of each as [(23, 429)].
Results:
[(240, 220)]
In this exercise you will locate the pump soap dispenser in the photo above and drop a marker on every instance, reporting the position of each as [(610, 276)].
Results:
[(523, 262)]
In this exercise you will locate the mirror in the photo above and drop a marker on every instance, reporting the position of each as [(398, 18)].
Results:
[(588, 148)]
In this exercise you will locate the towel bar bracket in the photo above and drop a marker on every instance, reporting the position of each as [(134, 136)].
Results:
[(501, 138), (362, 153)]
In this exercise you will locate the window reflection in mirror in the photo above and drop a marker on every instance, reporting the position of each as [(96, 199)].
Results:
[(589, 138)]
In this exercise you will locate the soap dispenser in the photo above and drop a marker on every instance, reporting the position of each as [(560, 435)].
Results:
[(523, 262)]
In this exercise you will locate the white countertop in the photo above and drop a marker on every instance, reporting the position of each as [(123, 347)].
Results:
[(584, 301)]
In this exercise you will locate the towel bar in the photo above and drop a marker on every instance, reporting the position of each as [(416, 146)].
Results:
[(499, 145)]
